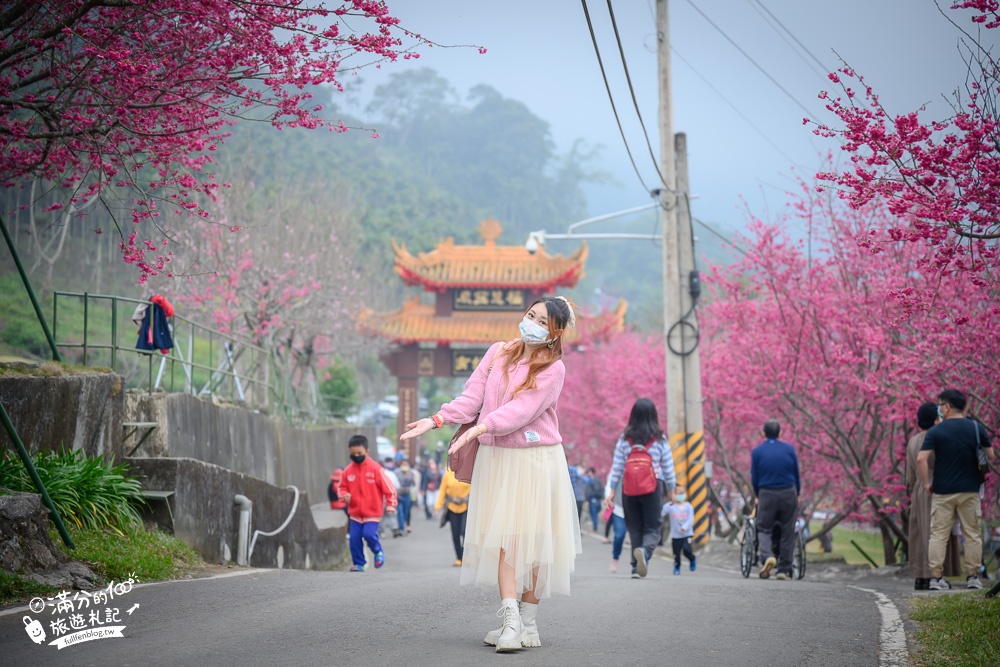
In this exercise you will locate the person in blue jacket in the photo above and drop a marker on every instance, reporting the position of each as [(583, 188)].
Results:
[(774, 475)]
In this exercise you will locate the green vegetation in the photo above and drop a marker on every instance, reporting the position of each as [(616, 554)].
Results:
[(957, 630), (14, 588), (87, 491), (869, 540), (339, 388), (150, 555), (145, 555)]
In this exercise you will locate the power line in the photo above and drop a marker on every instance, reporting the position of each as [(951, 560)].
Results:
[(733, 106), (754, 4), (792, 35), (635, 103), (746, 55), (607, 87)]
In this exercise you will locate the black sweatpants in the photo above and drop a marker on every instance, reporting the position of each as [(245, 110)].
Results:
[(457, 521), (681, 545), (777, 507), (643, 520)]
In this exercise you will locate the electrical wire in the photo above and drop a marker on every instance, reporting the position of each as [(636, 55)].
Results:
[(733, 107), (746, 55), (792, 35), (754, 4), (631, 90), (607, 87)]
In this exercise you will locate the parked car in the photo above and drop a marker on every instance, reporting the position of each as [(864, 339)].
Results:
[(384, 448)]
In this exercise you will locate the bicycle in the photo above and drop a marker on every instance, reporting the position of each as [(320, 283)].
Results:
[(749, 548)]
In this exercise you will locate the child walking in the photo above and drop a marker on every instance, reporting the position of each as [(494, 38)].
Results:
[(681, 527), (367, 489)]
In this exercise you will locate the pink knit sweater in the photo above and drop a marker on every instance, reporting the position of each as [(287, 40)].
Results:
[(527, 420)]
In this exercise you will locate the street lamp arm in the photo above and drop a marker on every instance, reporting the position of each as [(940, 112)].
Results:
[(609, 235), (608, 216)]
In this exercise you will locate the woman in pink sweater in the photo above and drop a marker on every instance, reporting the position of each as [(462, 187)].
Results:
[(522, 533)]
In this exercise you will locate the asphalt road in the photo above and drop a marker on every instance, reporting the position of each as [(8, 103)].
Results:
[(413, 612)]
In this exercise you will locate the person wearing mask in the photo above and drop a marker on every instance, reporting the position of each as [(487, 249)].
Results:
[(681, 516), (453, 500), (407, 487), (523, 531), (369, 493)]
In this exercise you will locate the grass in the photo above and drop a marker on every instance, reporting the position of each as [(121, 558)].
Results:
[(145, 555), (14, 588), (869, 540), (150, 555), (957, 630)]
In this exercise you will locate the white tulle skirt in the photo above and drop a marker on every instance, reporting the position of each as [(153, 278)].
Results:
[(522, 502)]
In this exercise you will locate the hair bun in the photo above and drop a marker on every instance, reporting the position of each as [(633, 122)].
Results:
[(571, 322)]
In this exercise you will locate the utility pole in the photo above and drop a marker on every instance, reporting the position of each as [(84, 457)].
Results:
[(680, 289)]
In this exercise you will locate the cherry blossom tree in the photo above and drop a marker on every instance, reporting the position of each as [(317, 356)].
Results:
[(805, 331), (939, 177), (133, 96), (278, 268), (809, 336), (603, 380)]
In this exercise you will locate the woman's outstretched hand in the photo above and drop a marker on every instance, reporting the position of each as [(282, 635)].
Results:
[(466, 438), (418, 427)]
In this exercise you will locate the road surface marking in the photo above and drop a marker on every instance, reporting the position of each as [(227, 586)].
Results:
[(892, 636)]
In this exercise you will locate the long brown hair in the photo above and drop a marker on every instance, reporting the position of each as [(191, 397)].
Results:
[(559, 316)]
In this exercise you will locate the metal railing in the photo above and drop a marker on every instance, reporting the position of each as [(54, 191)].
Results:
[(202, 362)]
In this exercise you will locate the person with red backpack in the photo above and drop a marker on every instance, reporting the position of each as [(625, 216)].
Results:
[(644, 466)]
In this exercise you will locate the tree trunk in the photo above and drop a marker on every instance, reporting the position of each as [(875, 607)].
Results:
[(888, 546)]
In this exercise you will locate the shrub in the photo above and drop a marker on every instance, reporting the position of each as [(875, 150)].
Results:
[(87, 491)]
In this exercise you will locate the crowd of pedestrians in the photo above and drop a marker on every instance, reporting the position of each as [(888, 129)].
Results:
[(515, 522)]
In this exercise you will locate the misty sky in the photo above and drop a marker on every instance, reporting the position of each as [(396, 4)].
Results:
[(540, 53)]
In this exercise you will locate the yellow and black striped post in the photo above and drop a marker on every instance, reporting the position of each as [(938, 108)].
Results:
[(689, 466)]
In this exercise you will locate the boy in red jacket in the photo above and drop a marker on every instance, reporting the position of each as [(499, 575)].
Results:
[(366, 488)]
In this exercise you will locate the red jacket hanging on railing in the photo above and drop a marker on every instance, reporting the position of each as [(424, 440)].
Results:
[(154, 333)]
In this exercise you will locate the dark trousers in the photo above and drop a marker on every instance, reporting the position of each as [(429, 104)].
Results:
[(594, 505), (777, 507), (457, 521), (403, 511), (681, 545), (643, 520)]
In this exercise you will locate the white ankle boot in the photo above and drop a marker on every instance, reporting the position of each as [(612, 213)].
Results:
[(512, 630), (528, 614)]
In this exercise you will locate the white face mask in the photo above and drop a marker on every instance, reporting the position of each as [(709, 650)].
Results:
[(681, 497), (532, 333)]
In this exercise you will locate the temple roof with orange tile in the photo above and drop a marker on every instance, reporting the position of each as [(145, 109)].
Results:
[(488, 265), (416, 323)]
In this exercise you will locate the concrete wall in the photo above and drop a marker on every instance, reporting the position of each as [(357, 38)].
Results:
[(206, 516), (243, 441), (70, 411)]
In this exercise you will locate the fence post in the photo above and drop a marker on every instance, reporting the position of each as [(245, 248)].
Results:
[(31, 293), (26, 460)]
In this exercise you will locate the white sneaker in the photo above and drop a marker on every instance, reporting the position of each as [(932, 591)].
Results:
[(973, 582), (512, 631), (940, 584)]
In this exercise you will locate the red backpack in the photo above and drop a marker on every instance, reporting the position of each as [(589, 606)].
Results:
[(639, 477)]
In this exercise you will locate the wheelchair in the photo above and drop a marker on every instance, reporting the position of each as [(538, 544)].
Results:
[(750, 549)]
